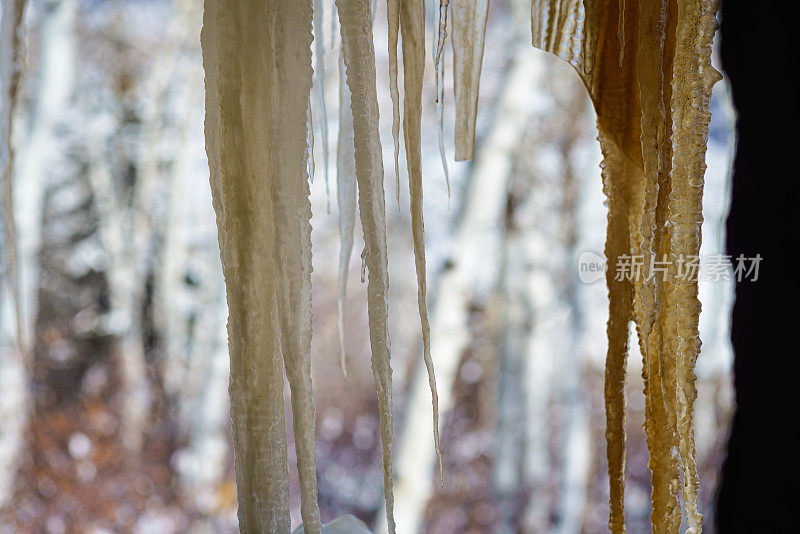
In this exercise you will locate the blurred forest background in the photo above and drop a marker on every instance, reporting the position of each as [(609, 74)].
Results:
[(118, 420)]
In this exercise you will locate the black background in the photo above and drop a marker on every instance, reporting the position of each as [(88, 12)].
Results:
[(759, 491)]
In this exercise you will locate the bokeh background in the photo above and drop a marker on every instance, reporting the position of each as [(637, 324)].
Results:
[(118, 421)]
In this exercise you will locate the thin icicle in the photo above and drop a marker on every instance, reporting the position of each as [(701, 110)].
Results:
[(440, 128), (359, 57), (393, 14), (469, 32), (322, 111), (620, 297), (334, 33), (441, 36), (651, 65), (412, 21), (614, 95), (364, 264), (310, 143), (346, 199), (438, 67), (345, 196)]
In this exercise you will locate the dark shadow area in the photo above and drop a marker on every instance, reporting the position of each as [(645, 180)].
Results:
[(759, 490)]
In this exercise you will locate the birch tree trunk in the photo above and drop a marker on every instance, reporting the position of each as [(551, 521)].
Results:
[(129, 231), (13, 407), (52, 89), (509, 477), (172, 302), (189, 295), (577, 450), (126, 287)]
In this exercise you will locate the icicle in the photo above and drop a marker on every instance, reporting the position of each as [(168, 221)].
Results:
[(559, 26), (412, 20), (322, 112), (260, 195), (620, 296), (310, 143), (651, 185), (654, 140), (364, 265), (334, 19), (652, 63), (346, 199), (623, 191), (438, 67), (613, 91), (440, 128), (442, 35), (243, 207), (10, 72), (346, 196), (538, 25), (693, 80), (359, 57), (292, 230), (469, 31), (393, 14), (588, 40)]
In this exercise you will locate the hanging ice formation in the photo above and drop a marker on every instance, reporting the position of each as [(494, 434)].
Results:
[(646, 65), (257, 59), (469, 30)]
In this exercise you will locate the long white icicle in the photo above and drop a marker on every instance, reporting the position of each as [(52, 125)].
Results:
[(322, 112), (438, 66), (346, 200), (412, 21), (359, 58), (393, 15)]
